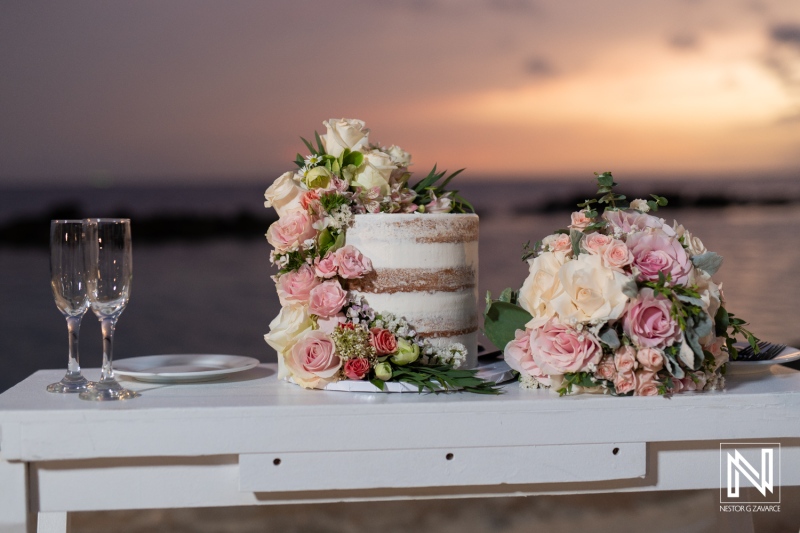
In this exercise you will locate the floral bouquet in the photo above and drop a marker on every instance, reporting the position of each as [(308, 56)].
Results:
[(325, 333), (620, 303)]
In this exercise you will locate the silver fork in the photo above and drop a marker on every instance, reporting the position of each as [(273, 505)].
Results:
[(766, 350)]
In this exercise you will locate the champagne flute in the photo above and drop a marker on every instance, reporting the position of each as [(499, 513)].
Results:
[(108, 285), (67, 271)]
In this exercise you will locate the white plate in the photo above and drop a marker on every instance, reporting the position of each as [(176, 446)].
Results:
[(182, 368), (788, 355), (497, 371)]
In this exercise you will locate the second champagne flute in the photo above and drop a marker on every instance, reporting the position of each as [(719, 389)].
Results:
[(108, 286)]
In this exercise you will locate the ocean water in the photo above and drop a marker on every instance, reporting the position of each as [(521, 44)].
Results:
[(216, 296)]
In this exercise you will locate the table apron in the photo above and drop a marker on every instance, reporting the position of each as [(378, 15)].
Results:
[(255, 479)]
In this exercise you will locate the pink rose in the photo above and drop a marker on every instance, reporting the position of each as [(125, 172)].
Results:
[(295, 286), (326, 299), (352, 263), (356, 368), (327, 266), (690, 384), (646, 384), (715, 348), (384, 342), (625, 382), (625, 359), (329, 323), (290, 231), (595, 243), (677, 385), (558, 348), (558, 242), (650, 359), (648, 323), (617, 255), (580, 220), (656, 252), (313, 359), (628, 221), (606, 369), (517, 354)]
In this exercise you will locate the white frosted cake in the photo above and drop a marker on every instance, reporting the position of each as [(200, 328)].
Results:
[(377, 275), (425, 268)]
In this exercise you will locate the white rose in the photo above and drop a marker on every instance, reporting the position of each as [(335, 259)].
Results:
[(591, 292), (542, 285), (284, 194), (400, 157), (640, 205), (285, 330), (375, 171), (344, 133)]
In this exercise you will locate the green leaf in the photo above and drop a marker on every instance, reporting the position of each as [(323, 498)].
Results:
[(575, 236), (605, 179), (708, 262), (319, 143), (610, 337), (378, 383), (502, 320), (310, 146), (507, 296), (353, 158)]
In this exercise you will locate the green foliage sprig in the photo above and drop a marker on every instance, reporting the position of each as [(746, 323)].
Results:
[(429, 186), (580, 379), (441, 378)]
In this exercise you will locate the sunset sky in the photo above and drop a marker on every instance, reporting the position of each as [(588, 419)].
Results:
[(197, 91)]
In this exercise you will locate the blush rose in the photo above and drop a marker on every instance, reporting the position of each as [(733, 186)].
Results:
[(517, 355), (313, 360), (657, 252), (648, 322), (327, 299), (326, 267), (558, 348), (384, 342), (352, 263), (294, 287), (290, 231)]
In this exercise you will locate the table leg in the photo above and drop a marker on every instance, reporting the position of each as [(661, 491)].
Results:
[(53, 523), (15, 515)]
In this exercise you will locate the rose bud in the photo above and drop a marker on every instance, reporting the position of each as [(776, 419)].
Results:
[(406, 353), (383, 371)]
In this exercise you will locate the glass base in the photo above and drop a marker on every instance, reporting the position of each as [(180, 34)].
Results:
[(108, 390), (70, 383)]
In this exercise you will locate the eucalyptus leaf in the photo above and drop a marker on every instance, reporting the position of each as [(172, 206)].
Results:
[(575, 236), (690, 300), (610, 337), (672, 366), (507, 295), (708, 262), (502, 320)]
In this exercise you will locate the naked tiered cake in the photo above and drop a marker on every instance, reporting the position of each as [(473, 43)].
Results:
[(377, 278), (425, 268)]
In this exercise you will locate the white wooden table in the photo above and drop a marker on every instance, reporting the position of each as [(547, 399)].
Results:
[(252, 440)]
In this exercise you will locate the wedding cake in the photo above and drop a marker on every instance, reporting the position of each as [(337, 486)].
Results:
[(377, 278), (425, 268)]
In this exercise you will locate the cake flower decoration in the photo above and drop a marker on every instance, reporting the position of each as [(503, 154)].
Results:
[(326, 332)]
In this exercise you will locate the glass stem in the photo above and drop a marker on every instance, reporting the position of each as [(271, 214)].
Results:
[(107, 326), (73, 326)]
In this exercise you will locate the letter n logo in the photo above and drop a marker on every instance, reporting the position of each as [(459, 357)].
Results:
[(749, 465)]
